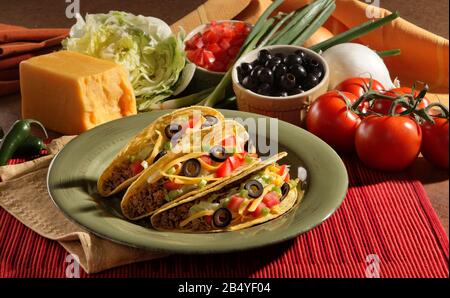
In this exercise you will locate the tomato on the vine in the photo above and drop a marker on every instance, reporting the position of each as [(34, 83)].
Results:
[(388, 143), (435, 146), (333, 121), (382, 106), (359, 86)]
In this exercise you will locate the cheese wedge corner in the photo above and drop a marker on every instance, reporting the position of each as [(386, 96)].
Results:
[(70, 92)]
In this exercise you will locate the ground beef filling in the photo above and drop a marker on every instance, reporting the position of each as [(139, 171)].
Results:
[(120, 174), (146, 199), (171, 218)]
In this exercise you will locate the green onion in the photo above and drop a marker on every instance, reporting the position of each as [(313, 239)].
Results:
[(184, 101), (354, 32), (275, 28), (202, 183), (168, 146), (316, 24), (243, 193), (260, 24), (388, 53), (224, 202), (299, 23), (265, 211), (228, 103), (248, 159), (277, 190), (171, 171)]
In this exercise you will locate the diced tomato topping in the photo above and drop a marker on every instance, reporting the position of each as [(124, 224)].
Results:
[(224, 170), (234, 203), (220, 43), (235, 161), (136, 167), (208, 219), (170, 185), (287, 178), (282, 169), (241, 156), (258, 210), (271, 199), (229, 141), (206, 159)]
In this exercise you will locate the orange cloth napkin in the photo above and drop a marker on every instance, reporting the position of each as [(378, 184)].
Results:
[(18, 44)]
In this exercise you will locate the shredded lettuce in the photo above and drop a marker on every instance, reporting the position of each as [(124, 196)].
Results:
[(145, 46)]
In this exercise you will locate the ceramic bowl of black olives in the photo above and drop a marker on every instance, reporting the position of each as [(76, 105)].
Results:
[(279, 81)]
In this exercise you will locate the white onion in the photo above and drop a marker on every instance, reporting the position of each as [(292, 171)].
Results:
[(349, 60)]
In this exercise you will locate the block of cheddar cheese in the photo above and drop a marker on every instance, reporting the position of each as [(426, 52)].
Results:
[(70, 92)]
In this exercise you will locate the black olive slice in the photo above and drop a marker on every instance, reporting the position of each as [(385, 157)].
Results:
[(285, 188), (159, 155), (218, 153), (210, 121), (254, 188), (222, 217), (172, 129), (191, 168)]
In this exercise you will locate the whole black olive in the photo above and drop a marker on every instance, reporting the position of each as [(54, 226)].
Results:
[(298, 71), (254, 188), (255, 72), (292, 59), (246, 68), (272, 62), (218, 153), (318, 72), (300, 53), (285, 188), (311, 81), (264, 56), (280, 93), (280, 55), (210, 121), (159, 155), (191, 168), (172, 129), (249, 82), (311, 65), (287, 82), (279, 70), (265, 75), (264, 89), (222, 217), (296, 91)]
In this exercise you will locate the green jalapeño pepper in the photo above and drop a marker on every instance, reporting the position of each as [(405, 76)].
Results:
[(16, 136)]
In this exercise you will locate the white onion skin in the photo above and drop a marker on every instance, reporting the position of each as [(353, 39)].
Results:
[(349, 60)]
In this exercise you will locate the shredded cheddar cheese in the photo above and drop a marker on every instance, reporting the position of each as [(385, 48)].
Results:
[(155, 148), (257, 201)]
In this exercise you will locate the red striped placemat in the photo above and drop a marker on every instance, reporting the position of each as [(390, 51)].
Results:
[(386, 227)]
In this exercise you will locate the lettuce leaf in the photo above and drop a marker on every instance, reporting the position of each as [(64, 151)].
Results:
[(145, 46)]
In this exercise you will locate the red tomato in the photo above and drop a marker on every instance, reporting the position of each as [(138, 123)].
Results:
[(382, 106), (170, 185), (271, 199), (210, 36), (208, 219), (287, 178), (388, 143), (234, 203), (330, 119), (258, 210), (224, 170), (358, 86), (136, 167), (234, 161), (435, 142)]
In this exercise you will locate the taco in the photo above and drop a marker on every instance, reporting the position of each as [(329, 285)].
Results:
[(153, 142), (181, 174), (262, 194)]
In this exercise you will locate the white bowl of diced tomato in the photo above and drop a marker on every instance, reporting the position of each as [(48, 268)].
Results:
[(213, 48)]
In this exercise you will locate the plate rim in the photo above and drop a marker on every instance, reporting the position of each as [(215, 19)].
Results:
[(197, 250)]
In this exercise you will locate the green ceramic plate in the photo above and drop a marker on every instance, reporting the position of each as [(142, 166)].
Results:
[(74, 171)]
